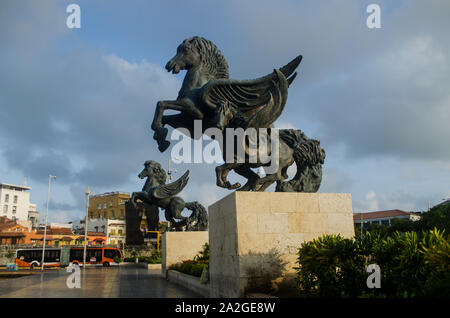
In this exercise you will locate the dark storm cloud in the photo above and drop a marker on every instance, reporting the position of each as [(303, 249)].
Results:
[(79, 115), (378, 92), (71, 109)]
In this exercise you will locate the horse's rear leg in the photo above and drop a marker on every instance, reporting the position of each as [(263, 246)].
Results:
[(176, 206), (221, 176), (250, 175)]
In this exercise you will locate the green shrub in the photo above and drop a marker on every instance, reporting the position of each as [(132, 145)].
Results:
[(412, 265), (203, 255), (155, 258), (330, 266), (196, 266), (192, 268)]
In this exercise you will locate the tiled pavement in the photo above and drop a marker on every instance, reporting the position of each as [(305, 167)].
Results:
[(102, 282)]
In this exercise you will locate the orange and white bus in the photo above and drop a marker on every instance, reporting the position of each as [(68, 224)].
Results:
[(103, 256), (63, 256)]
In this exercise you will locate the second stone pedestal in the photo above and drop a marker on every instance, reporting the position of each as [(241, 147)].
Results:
[(254, 237)]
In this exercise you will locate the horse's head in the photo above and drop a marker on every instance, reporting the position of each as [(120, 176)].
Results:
[(187, 56), (199, 51), (224, 114), (153, 171)]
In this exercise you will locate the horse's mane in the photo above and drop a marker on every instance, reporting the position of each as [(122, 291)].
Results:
[(211, 57), (157, 171)]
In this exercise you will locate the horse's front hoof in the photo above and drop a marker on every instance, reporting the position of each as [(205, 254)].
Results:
[(162, 146), (160, 134)]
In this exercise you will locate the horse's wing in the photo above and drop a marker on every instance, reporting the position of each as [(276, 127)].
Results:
[(261, 100), (171, 189)]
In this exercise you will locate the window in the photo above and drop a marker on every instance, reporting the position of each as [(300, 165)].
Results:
[(111, 253), (113, 232), (120, 232), (14, 209), (76, 254), (91, 215), (121, 214), (5, 208), (94, 255), (113, 216), (99, 206), (6, 197), (110, 203), (104, 206), (15, 199)]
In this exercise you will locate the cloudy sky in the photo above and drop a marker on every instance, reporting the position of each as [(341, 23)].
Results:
[(78, 103)]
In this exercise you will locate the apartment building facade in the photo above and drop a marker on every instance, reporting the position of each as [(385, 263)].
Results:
[(14, 201), (110, 205)]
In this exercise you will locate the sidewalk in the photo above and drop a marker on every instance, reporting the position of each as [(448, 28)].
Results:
[(102, 282)]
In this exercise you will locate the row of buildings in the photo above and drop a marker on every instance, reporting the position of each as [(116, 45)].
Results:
[(13, 232), (106, 224), (20, 222)]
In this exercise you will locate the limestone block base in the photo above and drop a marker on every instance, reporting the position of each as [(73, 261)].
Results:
[(180, 246), (254, 236)]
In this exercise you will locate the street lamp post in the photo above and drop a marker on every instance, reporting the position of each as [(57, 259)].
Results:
[(86, 225), (170, 171), (50, 177)]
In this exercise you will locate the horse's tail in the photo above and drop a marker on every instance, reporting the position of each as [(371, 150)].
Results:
[(308, 156), (198, 221)]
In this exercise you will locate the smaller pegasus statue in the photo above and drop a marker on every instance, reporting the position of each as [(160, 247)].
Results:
[(157, 193)]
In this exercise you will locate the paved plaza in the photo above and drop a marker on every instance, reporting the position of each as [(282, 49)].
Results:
[(101, 282)]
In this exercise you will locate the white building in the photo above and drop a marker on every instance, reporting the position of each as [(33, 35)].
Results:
[(383, 217), (34, 216), (114, 229), (14, 201), (61, 225)]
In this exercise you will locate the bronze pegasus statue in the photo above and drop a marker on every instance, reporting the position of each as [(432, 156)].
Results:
[(209, 95), (206, 84), (156, 192)]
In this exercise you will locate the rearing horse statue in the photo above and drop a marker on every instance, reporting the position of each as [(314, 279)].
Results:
[(157, 193), (206, 84)]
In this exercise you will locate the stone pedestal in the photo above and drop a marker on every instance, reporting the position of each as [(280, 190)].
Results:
[(180, 246), (254, 236)]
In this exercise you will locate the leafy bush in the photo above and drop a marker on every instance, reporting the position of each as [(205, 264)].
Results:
[(330, 266), (412, 265), (203, 255), (155, 258), (192, 268), (196, 266)]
